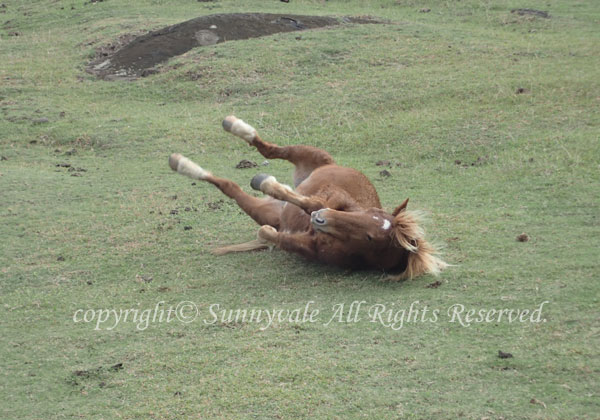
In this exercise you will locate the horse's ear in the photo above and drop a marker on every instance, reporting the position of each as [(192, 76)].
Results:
[(400, 208)]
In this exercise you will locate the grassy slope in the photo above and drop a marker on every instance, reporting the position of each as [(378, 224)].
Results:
[(426, 91)]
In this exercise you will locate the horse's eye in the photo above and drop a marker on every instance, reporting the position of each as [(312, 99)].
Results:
[(369, 237)]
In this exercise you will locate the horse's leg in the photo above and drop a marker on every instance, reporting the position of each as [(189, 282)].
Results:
[(301, 243), (305, 158), (333, 199), (269, 185), (263, 211)]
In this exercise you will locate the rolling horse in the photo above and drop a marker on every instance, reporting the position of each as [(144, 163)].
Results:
[(333, 216)]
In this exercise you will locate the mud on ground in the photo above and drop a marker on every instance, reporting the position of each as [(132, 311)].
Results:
[(138, 56)]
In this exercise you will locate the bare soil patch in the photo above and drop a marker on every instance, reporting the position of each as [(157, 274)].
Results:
[(138, 56)]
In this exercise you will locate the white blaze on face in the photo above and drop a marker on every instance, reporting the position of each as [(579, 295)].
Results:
[(386, 224)]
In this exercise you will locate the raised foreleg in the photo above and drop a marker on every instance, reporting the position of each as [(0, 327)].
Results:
[(269, 185), (326, 198)]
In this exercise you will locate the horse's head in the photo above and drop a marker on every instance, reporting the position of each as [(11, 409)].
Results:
[(391, 242)]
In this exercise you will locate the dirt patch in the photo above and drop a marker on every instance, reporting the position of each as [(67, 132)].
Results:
[(137, 57), (434, 285), (215, 205), (246, 164), (531, 12)]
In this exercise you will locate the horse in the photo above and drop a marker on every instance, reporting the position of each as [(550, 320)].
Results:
[(334, 215)]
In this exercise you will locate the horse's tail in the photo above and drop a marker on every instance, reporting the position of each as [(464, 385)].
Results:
[(246, 246), (422, 256)]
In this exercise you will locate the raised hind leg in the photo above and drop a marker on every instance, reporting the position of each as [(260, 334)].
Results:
[(305, 158), (263, 211)]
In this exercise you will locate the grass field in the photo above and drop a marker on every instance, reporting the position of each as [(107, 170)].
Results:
[(489, 120)]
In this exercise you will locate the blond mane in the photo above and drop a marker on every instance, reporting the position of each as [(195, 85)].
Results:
[(423, 257)]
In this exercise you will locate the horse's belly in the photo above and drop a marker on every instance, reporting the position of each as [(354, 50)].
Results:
[(294, 219)]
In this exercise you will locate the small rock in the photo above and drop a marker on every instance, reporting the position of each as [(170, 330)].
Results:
[(265, 163), (385, 173), (143, 279)]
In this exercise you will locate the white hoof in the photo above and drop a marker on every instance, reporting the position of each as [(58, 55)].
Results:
[(239, 128), (184, 166)]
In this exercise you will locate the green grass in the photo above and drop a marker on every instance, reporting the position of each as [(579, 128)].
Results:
[(425, 91)]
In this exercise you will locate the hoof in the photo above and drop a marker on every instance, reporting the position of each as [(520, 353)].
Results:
[(228, 123), (174, 161), (267, 233), (184, 166), (239, 128), (258, 180)]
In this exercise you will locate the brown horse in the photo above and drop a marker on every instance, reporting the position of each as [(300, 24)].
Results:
[(334, 216)]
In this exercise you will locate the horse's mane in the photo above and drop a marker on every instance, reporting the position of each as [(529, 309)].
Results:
[(422, 256)]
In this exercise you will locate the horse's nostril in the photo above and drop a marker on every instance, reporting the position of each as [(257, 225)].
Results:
[(319, 221)]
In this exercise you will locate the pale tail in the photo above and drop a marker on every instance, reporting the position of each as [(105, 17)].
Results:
[(246, 246)]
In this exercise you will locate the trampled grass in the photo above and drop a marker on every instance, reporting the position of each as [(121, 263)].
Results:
[(489, 121)]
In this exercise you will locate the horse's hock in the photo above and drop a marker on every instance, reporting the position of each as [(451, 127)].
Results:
[(137, 57)]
